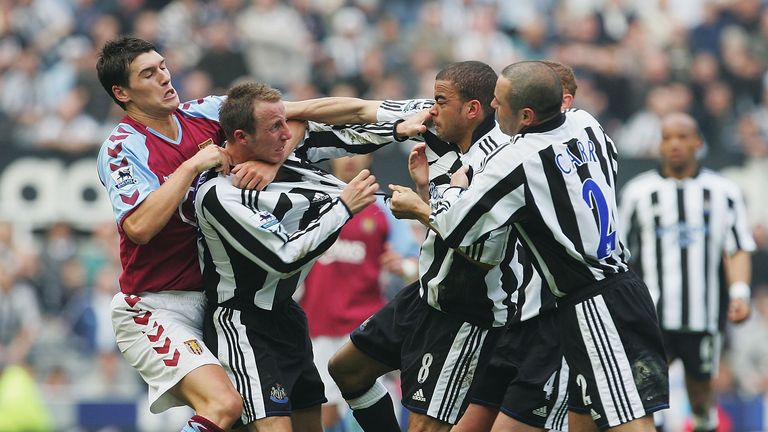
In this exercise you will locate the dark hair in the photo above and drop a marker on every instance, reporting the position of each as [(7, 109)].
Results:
[(237, 111), (115, 60), (473, 80), (565, 72), (534, 85)]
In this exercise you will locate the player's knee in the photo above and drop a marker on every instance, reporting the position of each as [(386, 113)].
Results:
[(340, 372), (228, 406)]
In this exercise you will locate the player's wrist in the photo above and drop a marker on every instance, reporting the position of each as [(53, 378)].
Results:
[(739, 290), (399, 137)]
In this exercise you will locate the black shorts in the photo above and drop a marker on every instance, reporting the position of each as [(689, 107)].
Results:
[(699, 351), (613, 346), (438, 355), (268, 356), (527, 378)]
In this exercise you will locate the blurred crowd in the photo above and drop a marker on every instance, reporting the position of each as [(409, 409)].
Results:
[(635, 60)]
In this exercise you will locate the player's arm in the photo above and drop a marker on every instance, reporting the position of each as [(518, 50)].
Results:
[(739, 244), (463, 217), (261, 237), (156, 210), (334, 110), (739, 267)]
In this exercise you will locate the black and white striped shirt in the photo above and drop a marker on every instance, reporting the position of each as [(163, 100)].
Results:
[(555, 183), (449, 281), (258, 246), (679, 231)]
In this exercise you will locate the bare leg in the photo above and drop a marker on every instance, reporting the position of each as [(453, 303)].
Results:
[(477, 418), (211, 394), (422, 423)]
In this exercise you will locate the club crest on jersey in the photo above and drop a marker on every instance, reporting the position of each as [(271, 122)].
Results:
[(278, 394), (205, 144), (194, 346), (123, 176), (267, 221), (368, 225)]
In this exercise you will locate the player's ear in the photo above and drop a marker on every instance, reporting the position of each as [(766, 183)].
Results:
[(120, 93), (474, 110), (239, 135), (529, 116)]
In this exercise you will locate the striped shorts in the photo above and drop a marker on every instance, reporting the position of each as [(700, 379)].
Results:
[(613, 345), (268, 356), (439, 356)]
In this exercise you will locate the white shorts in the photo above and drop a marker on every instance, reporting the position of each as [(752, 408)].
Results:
[(324, 347), (160, 335)]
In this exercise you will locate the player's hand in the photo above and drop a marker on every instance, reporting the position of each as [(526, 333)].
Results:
[(359, 193), (413, 125), (407, 204), (460, 178), (211, 156), (254, 174), (418, 166), (738, 310)]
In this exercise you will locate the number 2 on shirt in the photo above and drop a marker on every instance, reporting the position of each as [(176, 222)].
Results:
[(594, 197)]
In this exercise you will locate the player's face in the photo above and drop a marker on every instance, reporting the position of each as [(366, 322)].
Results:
[(268, 142), (510, 121), (149, 85), (680, 143), (448, 112)]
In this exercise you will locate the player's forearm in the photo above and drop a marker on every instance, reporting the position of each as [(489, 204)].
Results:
[(156, 210), (739, 266), (333, 110)]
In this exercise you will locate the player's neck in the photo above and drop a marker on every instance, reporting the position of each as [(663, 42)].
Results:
[(680, 173), (162, 123)]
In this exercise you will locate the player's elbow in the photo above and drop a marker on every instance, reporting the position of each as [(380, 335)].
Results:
[(138, 233)]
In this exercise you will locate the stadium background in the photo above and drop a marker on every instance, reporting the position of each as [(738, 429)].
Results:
[(635, 60)]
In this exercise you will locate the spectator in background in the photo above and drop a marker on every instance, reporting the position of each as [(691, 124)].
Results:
[(19, 318), (344, 287), (69, 129), (221, 59), (59, 246), (348, 42), (276, 43)]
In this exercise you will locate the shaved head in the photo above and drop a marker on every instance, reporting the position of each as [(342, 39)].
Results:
[(536, 85), (679, 120)]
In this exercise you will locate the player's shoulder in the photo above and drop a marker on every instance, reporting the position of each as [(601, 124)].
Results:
[(123, 138), (212, 185), (716, 179), (641, 182), (207, 107)]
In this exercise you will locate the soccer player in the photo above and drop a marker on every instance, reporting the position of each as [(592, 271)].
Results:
[(148, 166), (525, 385), (554, 182), (258, 247), (458, 306), (686, 225), (344, 286)]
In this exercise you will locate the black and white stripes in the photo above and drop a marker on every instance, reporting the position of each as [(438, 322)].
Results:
[(610, 365), (258, 246), (453, 382), (679, 231), (451, 281), (236, 353), (554, 183)]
